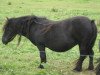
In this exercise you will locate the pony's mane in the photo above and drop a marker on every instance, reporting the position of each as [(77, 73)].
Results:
[(36, 19)]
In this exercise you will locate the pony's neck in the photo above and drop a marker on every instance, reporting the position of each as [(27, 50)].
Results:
[(23, 31)]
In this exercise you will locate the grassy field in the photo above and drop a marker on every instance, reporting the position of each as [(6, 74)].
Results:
[(24, 60)]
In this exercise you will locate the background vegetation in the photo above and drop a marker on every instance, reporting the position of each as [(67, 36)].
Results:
[(23, 60)]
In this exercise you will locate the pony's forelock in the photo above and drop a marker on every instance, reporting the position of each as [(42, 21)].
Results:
[(5, 25)]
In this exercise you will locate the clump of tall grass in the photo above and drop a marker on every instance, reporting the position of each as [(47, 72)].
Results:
[(54, 10), (9, 3)]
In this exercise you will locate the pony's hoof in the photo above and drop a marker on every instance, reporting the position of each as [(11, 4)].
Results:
[(77, 69), (41, 66), (90, 68)]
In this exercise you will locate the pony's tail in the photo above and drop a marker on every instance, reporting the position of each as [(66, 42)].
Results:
[(94, 34)]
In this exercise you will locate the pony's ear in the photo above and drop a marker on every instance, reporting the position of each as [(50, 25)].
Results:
[(34, 20), (7, 18), (37, 20)]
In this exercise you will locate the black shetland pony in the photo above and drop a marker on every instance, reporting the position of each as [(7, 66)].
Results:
[(59, 36)]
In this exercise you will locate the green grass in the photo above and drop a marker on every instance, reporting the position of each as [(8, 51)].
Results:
[(24, 60)]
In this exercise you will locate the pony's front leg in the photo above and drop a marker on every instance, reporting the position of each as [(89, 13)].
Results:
[(42, 56)]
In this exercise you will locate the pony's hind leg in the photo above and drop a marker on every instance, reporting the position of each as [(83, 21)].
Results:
[(86, 50), (83, 54), (91, 52), (91, 55)]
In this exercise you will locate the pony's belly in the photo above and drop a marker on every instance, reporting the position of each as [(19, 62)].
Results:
[(60, 48), (60, 42)]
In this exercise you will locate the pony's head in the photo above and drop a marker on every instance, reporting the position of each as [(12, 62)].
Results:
[(9, 31)]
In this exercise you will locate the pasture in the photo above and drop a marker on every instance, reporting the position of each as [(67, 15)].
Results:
[(24, 59)]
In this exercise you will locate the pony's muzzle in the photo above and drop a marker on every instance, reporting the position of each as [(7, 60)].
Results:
[(4, 41)]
